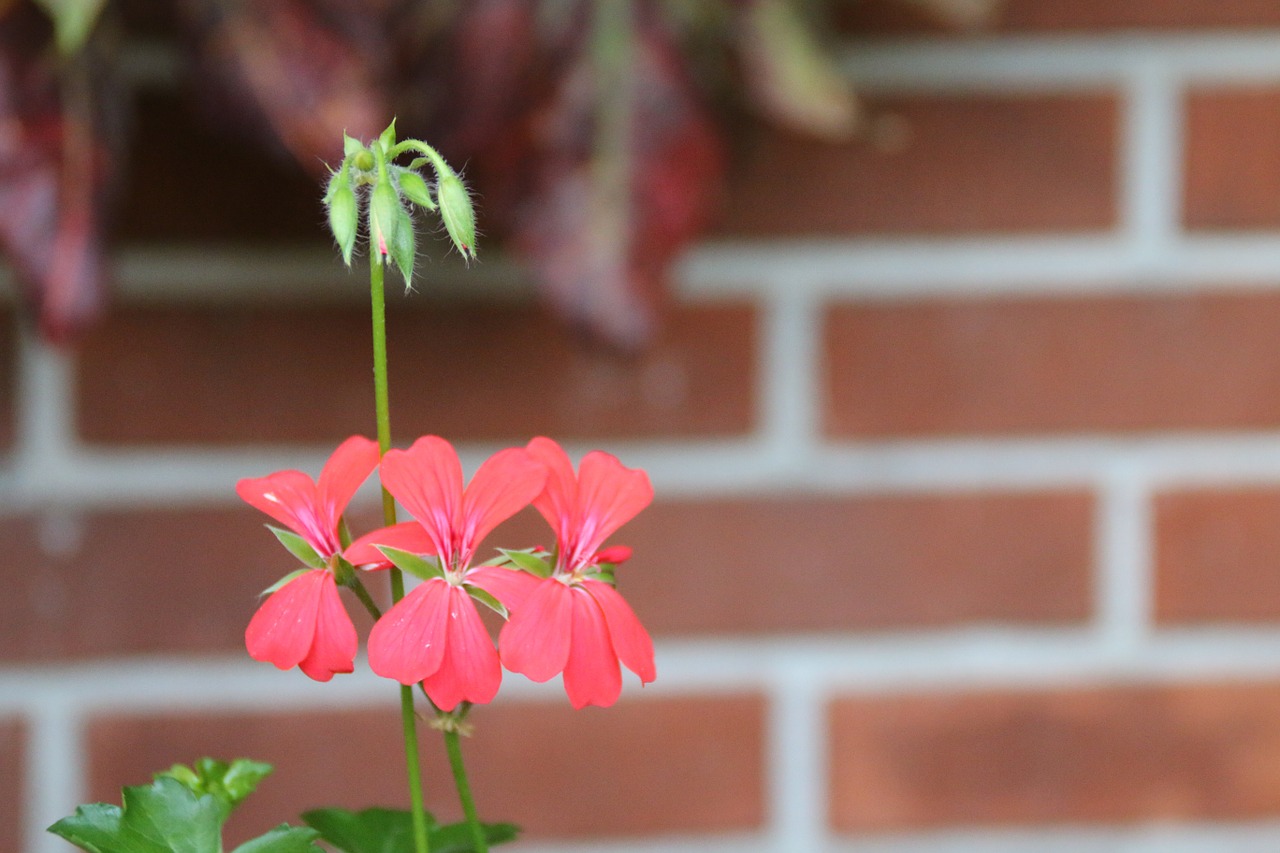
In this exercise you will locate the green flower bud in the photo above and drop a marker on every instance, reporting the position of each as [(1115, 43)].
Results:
[(343, 219), (403, 247), (414, 188), (384, 217), (458, 215)]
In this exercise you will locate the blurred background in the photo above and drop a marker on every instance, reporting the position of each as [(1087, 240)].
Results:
[(948, 330)]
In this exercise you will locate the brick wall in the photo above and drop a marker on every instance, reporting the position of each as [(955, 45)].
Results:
[(966, 443)]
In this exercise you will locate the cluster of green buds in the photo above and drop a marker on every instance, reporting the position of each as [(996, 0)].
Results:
[(370, 178)]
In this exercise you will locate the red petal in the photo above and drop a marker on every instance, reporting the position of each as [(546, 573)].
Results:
[(333, 649), (427, 479), (558, 502), (284, 626), (630, 640), (470, 670), (535, 640), (408, 642), (407, 536), (348, 467), (591, 677), (510, 586), (286, 496), (609, 495), (505, 484)]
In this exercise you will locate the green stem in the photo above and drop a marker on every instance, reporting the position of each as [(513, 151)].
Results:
[(357, 586), (480, 844), (408, 718), (382, 406)]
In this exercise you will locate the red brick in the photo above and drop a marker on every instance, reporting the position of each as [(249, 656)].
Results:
[(1053, 365), (894, 17), (1232, 175), (850, 564), (186, 375), (1216, 555), (975, 163), (645, 766), (1056, 757), (186, 581), (141, 582), (12, 794)]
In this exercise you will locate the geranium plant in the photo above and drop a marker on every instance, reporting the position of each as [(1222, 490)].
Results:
[(562, 612)]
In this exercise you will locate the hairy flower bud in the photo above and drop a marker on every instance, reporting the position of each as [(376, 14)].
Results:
[(384, 217), (414, 188), (344, 219), (456, 211)]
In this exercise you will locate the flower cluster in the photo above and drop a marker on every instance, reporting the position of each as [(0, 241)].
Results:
[(563, 614)]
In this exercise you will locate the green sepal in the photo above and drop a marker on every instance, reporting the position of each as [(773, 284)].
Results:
[(528, 562), (378, 830), (603, 572), (351, 147), (487, 600), (403, 246), (387, 139), (414, 188), (298, 547), (425, 568), (283, 581)]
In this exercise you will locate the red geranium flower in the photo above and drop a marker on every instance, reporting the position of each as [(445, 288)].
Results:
[(303, 623), (574, 621), (434, 634)]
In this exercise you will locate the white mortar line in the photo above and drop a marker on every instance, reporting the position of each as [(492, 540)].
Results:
[(54, 773), (703, 469), (45, 408), (1151, 156), (1035, 64), (795, 762), (939, 661), (1124, 576), (1157, 836), (790, 393)]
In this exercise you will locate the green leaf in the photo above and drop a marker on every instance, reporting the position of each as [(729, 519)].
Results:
[(96, 827), (298, 547), (73, 21), (391, 831), (425, 568), (181, 811), (283, 839), (456, 837), (531, 563), (369, 831), (229, 784)]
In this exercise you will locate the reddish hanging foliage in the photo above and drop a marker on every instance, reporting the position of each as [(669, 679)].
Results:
[(510, 89)]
